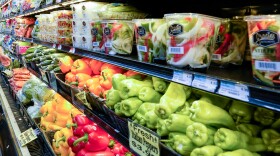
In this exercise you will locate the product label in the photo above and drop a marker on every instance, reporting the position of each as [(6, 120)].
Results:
[(59, 47), (72, 50), (142, 140), (205, 83), (108, 44), (95, 44), (267, 66), (260, 53), (142, 48), (27, 136), (175, 29), (54, 45), (182, 77), (233, 90), (216, 57), (94, 31), (175, 50), (107, 31), (141, 31), (265, 38)]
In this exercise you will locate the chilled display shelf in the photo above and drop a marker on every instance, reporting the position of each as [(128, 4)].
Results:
[(242, 84), (5, 3)]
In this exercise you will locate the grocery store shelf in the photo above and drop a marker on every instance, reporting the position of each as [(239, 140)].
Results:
[(5, 3)]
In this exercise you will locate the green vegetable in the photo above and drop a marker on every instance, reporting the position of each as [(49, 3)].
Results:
[(139, 116), (200, 134), (209, 150), (112, 97), (159, 84), (42, 94), (271, 139), (178, 123), (261, 77), (249, 129), (116, 81), (130, 106), (162, 127), (56, 69), (117, 109), (131, 87), (211, 115), (276, 124), (239, 152), (264, 116), (241, 112), (27, 88), (148, 94), (232, 140), (46, 62), (174, 98), (185, 109), (151, 119)]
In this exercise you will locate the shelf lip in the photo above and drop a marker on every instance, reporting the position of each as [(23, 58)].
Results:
[(5, 3), (166, 72)]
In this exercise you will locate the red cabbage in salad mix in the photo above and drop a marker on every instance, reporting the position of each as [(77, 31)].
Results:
[(150, 39), (191, 39), (231, 42), (263, 31)]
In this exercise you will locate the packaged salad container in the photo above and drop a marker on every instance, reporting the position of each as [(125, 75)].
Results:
[(90, 10), (264, 32), (191, 39), (150, 37), (96, 32), (231, 42), (118, 36), (77, 11)]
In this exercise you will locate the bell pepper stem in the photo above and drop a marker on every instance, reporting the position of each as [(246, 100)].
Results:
[(60, 139), (238, 119), (74, 83), (71, 125), (83, 138), (167, 141), (111, 143), (275, 141), (104, 77)]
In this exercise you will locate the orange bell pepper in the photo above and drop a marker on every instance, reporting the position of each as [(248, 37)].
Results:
[(87, 60), (106, 81), (110, 66), (65, 64), (70, 77), (93, 80), (60, 137), (63, 107), (81, 79), (80, 66), (95, 66), (96, 89)]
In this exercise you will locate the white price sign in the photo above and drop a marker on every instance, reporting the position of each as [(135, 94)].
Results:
[(182, 77), (27, 136), (54, 45), (59, 47), (234, 90), (72, 50), (142, 140), (32, 40), (108, 44), (205, 83)]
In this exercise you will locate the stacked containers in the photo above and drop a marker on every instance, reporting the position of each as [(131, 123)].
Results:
[(264, 31), (191, 39), (64, 27)]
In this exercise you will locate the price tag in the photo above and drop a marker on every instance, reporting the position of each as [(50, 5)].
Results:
[(142, 140), (95, 44), (24, 62), (27, 136), (44, 76), (54, 45), (205, 83), (59, 47), (72, 50), (32, 41), (108, 44), (234, 90), (182, 77)]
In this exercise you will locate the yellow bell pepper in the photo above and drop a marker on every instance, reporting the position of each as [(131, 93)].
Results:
[(64, 107), (62, 136)]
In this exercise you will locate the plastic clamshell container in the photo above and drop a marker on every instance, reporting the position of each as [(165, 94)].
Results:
[(231, 42), (264, 33), (150, 39), (64, 24), (90, 10), (86, 28), (77, 11), (191, 39), (64, 40), (64, 32), (77, 41), (86, 42), (118, 36), (96, 32), (77, 27)]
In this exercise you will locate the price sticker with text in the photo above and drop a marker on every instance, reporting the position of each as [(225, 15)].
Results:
[(205, 83), (234, 90), (59, 47), (54, 45), (72, 50), (182, 77), (142, 140), (44, 76), (27, 137)]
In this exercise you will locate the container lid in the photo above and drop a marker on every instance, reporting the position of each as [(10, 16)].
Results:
[(115, 21), (261, 17), (147, 19), (191, 14)]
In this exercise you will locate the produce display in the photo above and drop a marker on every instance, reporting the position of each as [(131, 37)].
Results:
[(263, 34), (191, 39)]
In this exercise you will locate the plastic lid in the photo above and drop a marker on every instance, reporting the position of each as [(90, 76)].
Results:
[(191, 14), (261, 17), (148, 19), (114, 21)]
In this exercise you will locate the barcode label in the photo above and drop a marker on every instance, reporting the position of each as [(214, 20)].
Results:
[(176, 50), (95, 44), (234, 90), (216, 57), (108, 44), (72, 50), (269, 66), (205, 83), (182, 77), (142, 48)]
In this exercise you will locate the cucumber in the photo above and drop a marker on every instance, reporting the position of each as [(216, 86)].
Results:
[(56, 69), (46, 62), (50, 67)]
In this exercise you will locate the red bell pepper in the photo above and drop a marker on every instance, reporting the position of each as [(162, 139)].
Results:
[(95, 66), (100, 153), (278, 52), (75, 148), (79, 121), (225, 45)]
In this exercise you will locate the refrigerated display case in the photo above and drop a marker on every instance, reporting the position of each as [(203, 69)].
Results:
[(167, 101)]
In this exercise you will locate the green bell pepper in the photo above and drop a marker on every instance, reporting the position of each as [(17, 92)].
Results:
[(264, 116), (209, 150), (159, 84), (148, 94), (171, 138), (131, 87), (151, 119), (139, 116), (239, 152), (112, 97), (249, 129), (174, 98), (241, 112), (276, 124), (178, 123), (185, 110), (211, 115), (162, 127), (200, 134), (116, 81), (191, 100), (271, 138), (232, 140), (130, 106), (117, 109)]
